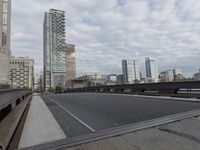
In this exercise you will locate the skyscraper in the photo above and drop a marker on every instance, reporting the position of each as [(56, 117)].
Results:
[(70, 62), (5, 20), (151, 69), (131, 71), (54, 49)]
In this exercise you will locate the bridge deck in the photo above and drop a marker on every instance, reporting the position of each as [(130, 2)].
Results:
[(98, 112)]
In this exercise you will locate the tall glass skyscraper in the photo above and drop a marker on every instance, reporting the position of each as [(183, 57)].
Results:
[(131, 71), (54, 49), (5, 19), (151, 69)]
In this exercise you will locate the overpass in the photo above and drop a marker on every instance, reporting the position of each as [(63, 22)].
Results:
[(161, 115)]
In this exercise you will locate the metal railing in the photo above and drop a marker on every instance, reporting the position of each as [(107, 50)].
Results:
[(9, 99), (174, 88)]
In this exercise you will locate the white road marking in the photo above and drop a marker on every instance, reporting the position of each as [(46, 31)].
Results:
[(90, 128)]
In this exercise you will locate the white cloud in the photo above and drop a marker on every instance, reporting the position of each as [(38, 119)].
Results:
[(105, 32)]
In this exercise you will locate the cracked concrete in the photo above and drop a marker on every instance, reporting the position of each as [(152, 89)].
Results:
[(181, 135), (188, 128)]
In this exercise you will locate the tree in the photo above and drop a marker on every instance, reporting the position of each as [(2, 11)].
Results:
[(51, 90), (58, 89)]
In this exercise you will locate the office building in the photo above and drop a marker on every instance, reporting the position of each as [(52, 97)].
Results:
[(54, 49), (151, 69), (76, 83), (177, 71), (5, 23), (120, 79), (111, 79), (131, 71), (178, 76), (197, 75), (70, 62), (167, 76), (93, 79), (41, 82), (22, 72)]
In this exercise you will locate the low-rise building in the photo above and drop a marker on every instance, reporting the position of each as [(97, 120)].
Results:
[(111, 79), (147, 80), (177, 73), (22, 72), (76, 83), (94, 79), (167, 76)]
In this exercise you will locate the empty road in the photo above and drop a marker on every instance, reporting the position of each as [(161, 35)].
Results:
[(83, 113)]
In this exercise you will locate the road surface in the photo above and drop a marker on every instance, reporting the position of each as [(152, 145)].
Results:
[(84, 113)]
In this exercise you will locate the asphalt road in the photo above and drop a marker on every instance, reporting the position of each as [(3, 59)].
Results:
[(103, 111)]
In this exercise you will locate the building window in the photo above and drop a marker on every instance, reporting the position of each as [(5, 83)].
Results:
[(3, 40), (4, 29), (5, 7), (5, 18)]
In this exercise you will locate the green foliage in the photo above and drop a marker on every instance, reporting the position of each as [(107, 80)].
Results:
[(51, 90), (58, 89)]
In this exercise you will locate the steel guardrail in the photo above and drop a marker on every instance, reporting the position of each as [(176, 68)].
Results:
[(9, 99), (167, 87)]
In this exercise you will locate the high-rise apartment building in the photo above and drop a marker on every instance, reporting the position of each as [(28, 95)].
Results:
[(151, 69), (54, 49), (5, 21), (131, 71), (22, 72), (70, 62)]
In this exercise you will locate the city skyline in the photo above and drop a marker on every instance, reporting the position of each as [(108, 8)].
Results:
[(146, 35)]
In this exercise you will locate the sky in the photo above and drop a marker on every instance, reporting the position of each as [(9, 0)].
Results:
[(107, 31)]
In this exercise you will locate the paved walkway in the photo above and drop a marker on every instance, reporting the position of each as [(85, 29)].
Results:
[(182, 135), (40, 126)]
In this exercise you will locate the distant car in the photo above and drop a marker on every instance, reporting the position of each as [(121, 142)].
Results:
[(35, 94)]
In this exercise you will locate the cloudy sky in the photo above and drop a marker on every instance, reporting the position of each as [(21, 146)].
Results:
[(107, 31)]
